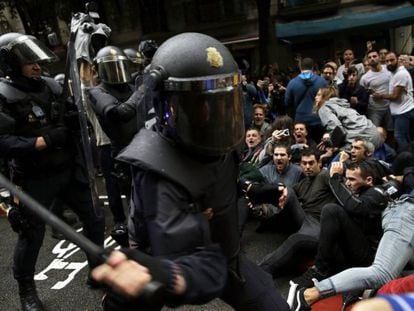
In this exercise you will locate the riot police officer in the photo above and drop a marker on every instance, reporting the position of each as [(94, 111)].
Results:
[(114, 102), (184, 179), (137, 59), (43, 156)]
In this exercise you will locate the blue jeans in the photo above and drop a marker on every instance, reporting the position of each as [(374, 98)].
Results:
[(402, 128), (394, 252)]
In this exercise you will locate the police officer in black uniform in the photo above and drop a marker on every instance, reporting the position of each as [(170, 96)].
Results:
[(137, 59), (114, 102), (36, 137), (184, 209)]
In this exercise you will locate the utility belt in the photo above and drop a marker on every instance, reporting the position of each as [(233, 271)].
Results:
[(43, 166)]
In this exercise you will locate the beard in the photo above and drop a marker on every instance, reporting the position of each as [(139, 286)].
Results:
[(392, 68)]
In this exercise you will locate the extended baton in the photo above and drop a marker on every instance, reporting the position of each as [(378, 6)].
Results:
[(153, 291)]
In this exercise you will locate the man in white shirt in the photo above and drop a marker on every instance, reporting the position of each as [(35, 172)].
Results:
[(401, 100), (377, 80)]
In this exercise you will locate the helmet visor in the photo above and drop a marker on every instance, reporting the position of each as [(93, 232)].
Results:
[(30, 50), (209, 122), (114, 70)]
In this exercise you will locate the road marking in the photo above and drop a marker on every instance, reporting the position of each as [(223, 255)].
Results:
[(63, 251)]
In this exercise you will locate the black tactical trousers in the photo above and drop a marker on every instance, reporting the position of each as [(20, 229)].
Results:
[(342, 242), (302, 242), (112, 183), (76, 195)]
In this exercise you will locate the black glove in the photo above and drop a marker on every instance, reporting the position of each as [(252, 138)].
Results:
[(56, 137), (17, 221), (267, 193), (264, 211)]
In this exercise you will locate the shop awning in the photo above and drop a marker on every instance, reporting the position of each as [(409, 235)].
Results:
[(358, 17)]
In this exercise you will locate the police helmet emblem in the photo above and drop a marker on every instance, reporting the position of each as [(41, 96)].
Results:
[(31, 118), (214, 57)]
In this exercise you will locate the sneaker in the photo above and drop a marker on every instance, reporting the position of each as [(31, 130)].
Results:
[(299, 302), (306, 279), (292, 293), (119, 228), (120, 234)]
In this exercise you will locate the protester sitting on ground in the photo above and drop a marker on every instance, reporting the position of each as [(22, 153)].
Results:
[(326, 150), (336, 112), (362, 150), (249, 171), (280, 131), (259, 113), (302, 141), (394, 251), (353, 92), (299, 216), (351, 228), (280, 170), (253, 146)]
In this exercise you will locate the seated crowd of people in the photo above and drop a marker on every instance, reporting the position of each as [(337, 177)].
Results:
[(329, 161)]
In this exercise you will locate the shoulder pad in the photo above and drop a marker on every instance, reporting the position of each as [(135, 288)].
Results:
[(149, 151), (53, 85), (9, 92)]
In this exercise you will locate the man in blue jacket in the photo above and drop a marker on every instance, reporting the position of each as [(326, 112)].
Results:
[(300, 96)]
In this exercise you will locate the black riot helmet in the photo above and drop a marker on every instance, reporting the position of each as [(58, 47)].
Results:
[(137, 60), (112, 65), (200, 98), (134, 56), (18, 49)]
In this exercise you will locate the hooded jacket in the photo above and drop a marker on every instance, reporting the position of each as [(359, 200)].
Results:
[(338, 112), (300, 96)]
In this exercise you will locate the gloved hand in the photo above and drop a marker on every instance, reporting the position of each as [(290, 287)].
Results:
[(264, 211), (17, 221), (264, 193), (56, 137)]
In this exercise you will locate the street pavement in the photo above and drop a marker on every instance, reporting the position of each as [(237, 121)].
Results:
[(62, 270)]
